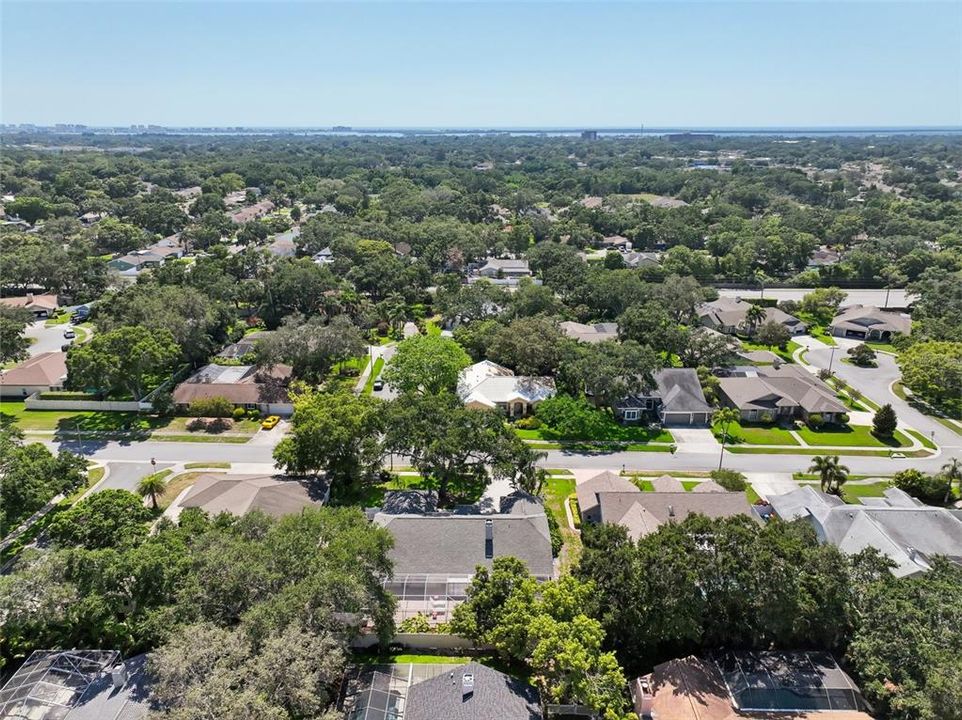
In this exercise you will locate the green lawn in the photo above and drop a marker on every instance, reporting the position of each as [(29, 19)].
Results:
[(375, 371), (556, 492), (882, 347), (922, 438), (899, 390), (949, 424), (852, 493), (61, 318), (819, 334), (758, 450), (195, 465), (785, 354), (850, 436), (755, 434)]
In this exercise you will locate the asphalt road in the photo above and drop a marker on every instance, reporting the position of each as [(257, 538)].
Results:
[(856, 296), (47, 339), (126, 475)]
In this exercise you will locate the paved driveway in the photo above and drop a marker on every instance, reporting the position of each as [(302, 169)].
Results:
[(46, 339), (126, 475)]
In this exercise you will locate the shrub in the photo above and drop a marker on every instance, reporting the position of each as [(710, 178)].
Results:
[(211, 407), (163, 403), (557, 540), (824, 374), (816, 421), (729, 479), (930, 489), (767, 418), (885, 421), (528, 423), (239, 413), (254, 414), (575, 510), (843, 419), (862, 355), (568, 418)]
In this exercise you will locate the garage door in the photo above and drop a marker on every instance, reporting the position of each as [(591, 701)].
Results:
[(677, 419)]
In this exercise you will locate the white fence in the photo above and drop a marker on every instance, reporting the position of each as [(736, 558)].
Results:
[(35, 403)]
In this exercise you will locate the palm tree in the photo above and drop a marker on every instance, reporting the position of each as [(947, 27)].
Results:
[(152, 486), (755, 316), (831, 474), (725, 417), (953, 473)]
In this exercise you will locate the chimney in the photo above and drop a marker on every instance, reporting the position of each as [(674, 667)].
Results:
[(642, 696), (118, 675), (489, 539), (467, 685), (671, 511)]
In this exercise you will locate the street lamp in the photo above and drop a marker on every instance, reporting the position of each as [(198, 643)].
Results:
[(831, 359)]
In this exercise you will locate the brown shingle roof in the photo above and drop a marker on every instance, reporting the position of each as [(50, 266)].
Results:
[(643, 513), (49, 368)]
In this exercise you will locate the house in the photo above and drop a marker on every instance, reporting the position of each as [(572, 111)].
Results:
[(78, 685), (730, 316), (641, 259), (824, 256), (676, 399), (189, 193), (90, 218), (900, 527), (276, 496), (501, 268), (487, 385), (324, 257), (258, 209), (864, 322), (42, 306), (642, 513), (455, 543), (472, 692), (244, 386), (616, 242), (773, 393), (245, 346), (41, 373), (588, 493), (734, 685), (599, 332)]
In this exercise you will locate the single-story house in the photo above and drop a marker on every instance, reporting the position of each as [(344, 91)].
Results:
[(641, 259), (472, 692), (285, 244), (189, 193), (276, 496), (735, 685), (864, 322), (505, 268), (900, 527), (616, 242), (823, 257), (244, 346), (642, 513), (90, 218), (676, 399), (136, 261), (324, 257), (489, 385), (258, 209), (730, 316), (599, 332), (774, 393), (42, 306), (41, 373), (243, 386)]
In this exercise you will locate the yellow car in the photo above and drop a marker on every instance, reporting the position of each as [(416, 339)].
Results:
[(270, 422)]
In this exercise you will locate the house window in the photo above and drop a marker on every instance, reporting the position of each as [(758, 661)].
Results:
[(250, 406), (631, 414)]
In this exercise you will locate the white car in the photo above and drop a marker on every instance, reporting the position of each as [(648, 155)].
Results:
[(69, 333)]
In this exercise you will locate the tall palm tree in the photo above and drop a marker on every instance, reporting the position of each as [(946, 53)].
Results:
[(754, 317), (953, 473), (831, 474), (725, 417), (152, 486)]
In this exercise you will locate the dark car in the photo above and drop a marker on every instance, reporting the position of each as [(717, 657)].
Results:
[(379, 384)]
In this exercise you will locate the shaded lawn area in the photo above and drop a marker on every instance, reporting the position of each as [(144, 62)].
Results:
[(785, 354), (355, 363), (613, 432), (882, 347), (557, 489), (176, 485), (745, 433), (819, 334), (850, 436)]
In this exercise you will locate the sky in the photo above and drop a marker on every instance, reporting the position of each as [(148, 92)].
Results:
[(482, 64)]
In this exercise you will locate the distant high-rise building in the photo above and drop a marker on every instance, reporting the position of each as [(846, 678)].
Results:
[(589, 134)]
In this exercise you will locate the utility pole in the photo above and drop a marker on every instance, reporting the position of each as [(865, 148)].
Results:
[(831, 359)]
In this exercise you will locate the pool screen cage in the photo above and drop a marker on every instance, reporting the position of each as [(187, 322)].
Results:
[(433, 596), (51, 682)]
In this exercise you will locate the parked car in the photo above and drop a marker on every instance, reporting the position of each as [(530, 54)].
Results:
[(378, 384), (270, 422), (69, 333), (65, 347)]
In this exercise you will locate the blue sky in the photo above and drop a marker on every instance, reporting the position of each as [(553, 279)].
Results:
[(453, 64)]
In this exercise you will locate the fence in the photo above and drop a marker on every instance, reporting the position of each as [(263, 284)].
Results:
[(35, 402)]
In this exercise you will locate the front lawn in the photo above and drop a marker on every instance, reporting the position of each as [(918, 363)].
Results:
[(818, 332), (557, 489), (755, 434), (612, 431), (176, 486), (852, 494), (375, 372), (87, 420), (785, 354), (850, 436)]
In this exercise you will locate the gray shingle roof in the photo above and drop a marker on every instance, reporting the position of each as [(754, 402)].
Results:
[(604, 482), (449, 544), (496, 696), (237, 494), (865, 317), (681, 391)]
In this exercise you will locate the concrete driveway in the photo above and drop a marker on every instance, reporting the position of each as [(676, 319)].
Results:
[(126, 475), (46, 339)]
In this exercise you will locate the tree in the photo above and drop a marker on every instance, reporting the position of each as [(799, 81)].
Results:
[(651, 324), (932, 489), (119, 237), (13, 342), (130, 359), (862, 355), (822, 304), (832, 475), (725, 417), (754, 316), (609, 371), (335, 433), (152, 486), (311, 347), (731, 480), (952, 470), (885, 421), (933, 371), (108, 518), (773, 334), (451, 446), (426, 364), (30, 209), (529, 346), (704, 347)]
